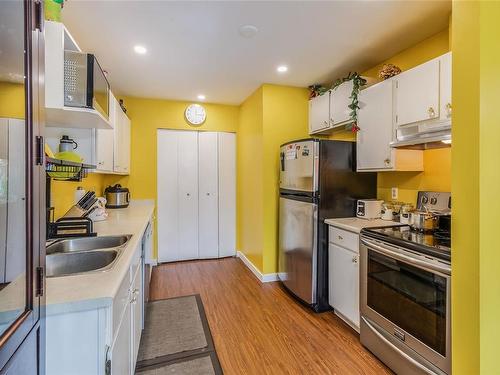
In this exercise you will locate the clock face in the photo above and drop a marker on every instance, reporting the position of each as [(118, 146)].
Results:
[(195, 114)]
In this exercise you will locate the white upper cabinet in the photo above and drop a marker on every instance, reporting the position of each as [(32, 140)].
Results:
[(375, 119), (104, 149), (445, 87), (417, 94), (319, 113), (339, 104), (121, 153), (375, 122)]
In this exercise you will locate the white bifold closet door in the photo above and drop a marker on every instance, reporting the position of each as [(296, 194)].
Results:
[(227, 192), (177, 195), (208, 215), (196, 195)]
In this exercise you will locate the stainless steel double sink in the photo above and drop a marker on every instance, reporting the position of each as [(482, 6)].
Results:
[(82, 255)]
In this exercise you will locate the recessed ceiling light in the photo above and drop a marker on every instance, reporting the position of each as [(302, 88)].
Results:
[(248, 31), (282, 69), (141, 50), (201, 97)]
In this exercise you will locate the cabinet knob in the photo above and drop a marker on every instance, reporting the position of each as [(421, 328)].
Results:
[(188, 194), (355, 259), (208, 193), (448, 109), (387, 161), (431, 112), (331, 121), (325, 122), (340, 237)]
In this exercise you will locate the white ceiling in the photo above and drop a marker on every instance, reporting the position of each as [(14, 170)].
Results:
[(195, 48)]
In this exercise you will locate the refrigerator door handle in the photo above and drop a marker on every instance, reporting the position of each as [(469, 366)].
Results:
[(282, 158)]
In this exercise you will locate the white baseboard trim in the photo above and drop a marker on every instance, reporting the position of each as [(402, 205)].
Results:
[(263, 277)]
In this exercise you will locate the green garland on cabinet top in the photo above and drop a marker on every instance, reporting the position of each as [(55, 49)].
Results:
[(357, 83)]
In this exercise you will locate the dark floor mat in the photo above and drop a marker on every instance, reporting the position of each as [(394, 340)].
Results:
[(176, 339), (194, 365)]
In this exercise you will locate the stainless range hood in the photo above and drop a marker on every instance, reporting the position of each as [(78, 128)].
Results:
[(423, 136)]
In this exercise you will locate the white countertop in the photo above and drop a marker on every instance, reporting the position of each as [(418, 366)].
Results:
[(354, 224), (97, 289)]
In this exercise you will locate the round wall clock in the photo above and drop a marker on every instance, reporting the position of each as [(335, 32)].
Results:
[(195, 114)]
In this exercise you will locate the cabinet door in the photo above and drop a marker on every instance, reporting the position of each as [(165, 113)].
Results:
[(376, 129), (136, 310), (125, 143), (120, 352), (105, 149), (344, 282), (227, 194), (187, 213), (445, 87), (118, 136), (319, 113), (208, 237), (339, 103), (417, 94)]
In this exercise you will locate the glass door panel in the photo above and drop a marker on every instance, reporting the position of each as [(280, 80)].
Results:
[(13, 166)]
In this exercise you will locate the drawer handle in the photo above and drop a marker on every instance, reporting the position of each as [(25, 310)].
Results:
[(431, 112)]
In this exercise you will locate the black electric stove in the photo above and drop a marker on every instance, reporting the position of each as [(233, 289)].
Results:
[(437, 243)]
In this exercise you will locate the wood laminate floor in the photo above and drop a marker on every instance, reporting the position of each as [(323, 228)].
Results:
[(258, 328)]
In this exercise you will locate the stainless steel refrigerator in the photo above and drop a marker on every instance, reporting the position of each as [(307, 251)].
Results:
[(318, 180)]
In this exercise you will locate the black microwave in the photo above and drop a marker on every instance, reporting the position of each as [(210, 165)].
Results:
[(85, 85)]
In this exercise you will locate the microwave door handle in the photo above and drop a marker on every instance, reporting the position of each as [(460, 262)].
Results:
[(406, 258), (394, 347)]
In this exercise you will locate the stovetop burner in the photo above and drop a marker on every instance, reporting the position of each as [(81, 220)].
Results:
[(437, 243)]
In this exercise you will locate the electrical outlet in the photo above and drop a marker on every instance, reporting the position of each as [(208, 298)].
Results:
[(394, 193)]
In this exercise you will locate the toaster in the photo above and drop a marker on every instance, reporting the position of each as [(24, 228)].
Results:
[(368, 208)]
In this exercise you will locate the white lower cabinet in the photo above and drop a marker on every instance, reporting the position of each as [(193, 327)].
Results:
[(102, 340), (343, 275), (137, 311), (344, 284), (119, 362)]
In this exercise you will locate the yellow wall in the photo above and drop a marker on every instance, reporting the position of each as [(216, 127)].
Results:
[(63, 191), (12, 100), (475, 188), (285, 115), (271, 116), (250, 205), (148, 115)]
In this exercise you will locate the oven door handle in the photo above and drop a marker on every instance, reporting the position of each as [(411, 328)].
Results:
[(406, 258), (394, 347)]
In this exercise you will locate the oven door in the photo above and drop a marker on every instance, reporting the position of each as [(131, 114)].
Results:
[(406, 296)]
